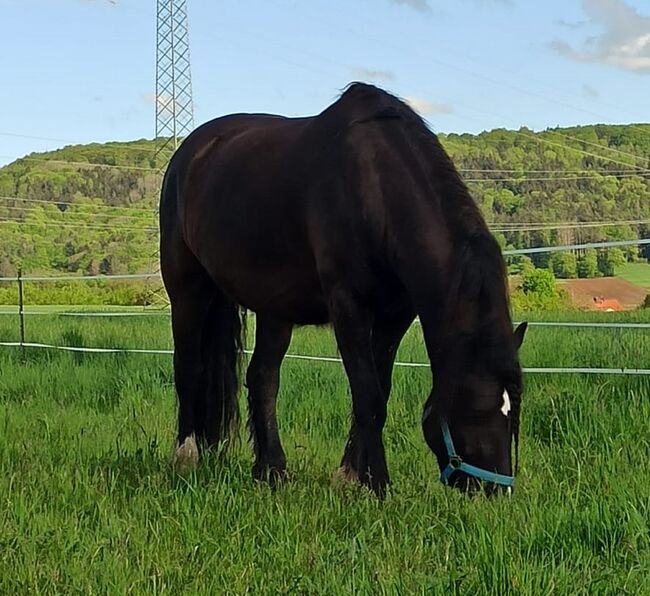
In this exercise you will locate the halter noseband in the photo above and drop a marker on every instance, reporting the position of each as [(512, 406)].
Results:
[(456, 464)]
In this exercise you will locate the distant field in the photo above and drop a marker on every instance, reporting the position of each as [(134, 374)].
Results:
[(88, 503), (636, 273), (582, 291)]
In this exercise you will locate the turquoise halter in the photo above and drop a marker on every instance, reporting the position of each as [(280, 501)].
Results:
[(456, 464)]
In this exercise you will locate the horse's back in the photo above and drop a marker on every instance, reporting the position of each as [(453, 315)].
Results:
[(235, 193), (277, 208)]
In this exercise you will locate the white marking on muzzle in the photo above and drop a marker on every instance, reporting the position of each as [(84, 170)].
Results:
[(186, 455), (505, 408)]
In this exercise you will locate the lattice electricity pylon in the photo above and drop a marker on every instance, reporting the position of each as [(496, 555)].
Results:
[(174, 105)]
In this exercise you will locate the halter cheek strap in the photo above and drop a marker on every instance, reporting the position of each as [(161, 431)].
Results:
[(456, 464)]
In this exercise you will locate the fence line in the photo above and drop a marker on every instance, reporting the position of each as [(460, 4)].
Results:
[(83, 277), (166, 313), (535, 370), (567, 247), (587, 324), (529, 370), (86, 314)]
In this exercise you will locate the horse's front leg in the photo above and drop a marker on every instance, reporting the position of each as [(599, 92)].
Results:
[(387, 333), (272, 339), (353, 329)]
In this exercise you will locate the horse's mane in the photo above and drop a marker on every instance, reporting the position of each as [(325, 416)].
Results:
[(481, 274), (367, 103), (479, 280)]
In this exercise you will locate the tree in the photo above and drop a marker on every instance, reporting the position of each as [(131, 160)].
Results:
[(521, 265), (588, 264), (564, 265), (77, 230), (540, 282), (609, 260)]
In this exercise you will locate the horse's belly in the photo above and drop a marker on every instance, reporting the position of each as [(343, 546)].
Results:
[(289, 293)]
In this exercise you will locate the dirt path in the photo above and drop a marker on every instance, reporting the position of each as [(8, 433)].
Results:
[(583, 292)]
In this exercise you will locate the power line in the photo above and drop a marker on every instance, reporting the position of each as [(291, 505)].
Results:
[(548, 171), (77, 226), (79, 215), (568, 226), (77, 205), (618, 173), (540, 139), (332, 27), (643, 175), (85, 164), (548, 223), (599, 145), (542, 249)]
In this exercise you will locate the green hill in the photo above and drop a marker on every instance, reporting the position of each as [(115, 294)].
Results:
[(91, 208)]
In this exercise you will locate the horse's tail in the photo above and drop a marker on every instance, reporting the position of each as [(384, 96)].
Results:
[(223, 348)]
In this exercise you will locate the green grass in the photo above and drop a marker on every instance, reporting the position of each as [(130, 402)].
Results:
[(636, 273), (88, 503)]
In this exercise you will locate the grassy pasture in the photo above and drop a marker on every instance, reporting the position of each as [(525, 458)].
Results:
[(636, 273), (88, 503)]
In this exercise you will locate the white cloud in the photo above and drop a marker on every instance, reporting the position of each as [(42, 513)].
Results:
[(570, 24), (505, 2), (590, 92), (624, 40), (424, 6), (424, 106), (165, 104), (419, 5), (371, 74)]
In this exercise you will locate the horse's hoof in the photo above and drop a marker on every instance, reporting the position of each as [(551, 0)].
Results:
[(271, 474), (186, 456), (345, 476)]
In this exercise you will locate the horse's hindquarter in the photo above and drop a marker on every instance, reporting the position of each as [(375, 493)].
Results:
[(244, 217)]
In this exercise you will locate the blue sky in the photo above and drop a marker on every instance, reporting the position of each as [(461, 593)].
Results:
[(84, 70)]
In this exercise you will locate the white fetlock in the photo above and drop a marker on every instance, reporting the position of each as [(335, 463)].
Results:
[(344, 476), (186, 455)]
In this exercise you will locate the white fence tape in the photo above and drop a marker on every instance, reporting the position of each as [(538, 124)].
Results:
[(533, 370), (565, 247), (588, 324), (55, 313), (82, 277), (166, 313)]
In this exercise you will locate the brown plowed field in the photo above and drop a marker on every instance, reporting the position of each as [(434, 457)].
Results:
[(583, 291)]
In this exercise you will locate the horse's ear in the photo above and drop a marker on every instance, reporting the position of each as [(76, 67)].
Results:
[(519, 333)]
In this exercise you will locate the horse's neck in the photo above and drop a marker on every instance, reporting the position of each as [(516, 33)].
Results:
[(470, 302)]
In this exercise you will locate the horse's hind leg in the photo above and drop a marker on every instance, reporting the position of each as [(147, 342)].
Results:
[(272, 340), (191, 294), (387, 333)]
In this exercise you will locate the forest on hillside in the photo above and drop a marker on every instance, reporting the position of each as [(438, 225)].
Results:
[(92, 208)]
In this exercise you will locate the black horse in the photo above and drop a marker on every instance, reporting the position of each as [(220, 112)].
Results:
[(358, 218)]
